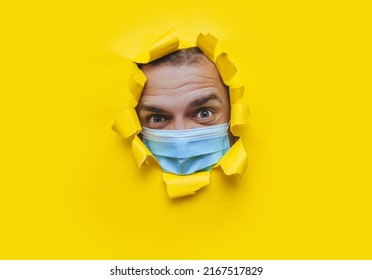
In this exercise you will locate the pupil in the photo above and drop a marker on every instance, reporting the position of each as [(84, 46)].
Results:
[(205, 114)]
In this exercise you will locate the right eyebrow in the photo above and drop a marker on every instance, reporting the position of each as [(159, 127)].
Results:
[(151, 109), (202, 100)]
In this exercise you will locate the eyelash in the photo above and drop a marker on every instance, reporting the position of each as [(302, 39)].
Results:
[(165, 118), (150, 117), (204, 110), (211, 112)]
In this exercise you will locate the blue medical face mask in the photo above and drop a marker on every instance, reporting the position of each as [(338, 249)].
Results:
[(187, 151)]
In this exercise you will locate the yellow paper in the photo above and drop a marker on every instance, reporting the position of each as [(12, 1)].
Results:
[(165, 44), (69, 188), (240, 114), (141, 154), (236, 94), (179, 185), (136, 83), (226, 68), (234, 162), (207, 44), (127, 123)]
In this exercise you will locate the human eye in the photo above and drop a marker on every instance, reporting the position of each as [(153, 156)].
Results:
[(204, 114), (156, 119)]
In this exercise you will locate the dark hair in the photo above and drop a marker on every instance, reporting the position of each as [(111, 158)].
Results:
[(191, 55)]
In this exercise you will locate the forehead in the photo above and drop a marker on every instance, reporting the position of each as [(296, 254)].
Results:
[(182, 78)]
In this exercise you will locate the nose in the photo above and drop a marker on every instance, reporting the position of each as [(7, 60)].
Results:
[(179, 123), (182, 123)]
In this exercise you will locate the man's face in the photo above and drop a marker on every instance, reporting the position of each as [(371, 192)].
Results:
[(183, 97)]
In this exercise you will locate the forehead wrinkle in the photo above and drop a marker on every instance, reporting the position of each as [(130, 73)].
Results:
[(187, 86), (179, 76)]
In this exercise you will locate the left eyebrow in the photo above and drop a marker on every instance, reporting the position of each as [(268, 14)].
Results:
[(202, 100)]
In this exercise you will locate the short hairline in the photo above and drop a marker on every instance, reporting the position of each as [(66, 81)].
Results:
[(179, 58), (182, 57)]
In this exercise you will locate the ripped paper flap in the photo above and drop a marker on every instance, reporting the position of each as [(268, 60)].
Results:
[(178, 185), (240, 114), (136, 83), (127, 123), (234, 162), (207, 44), (141, 154), (236, 94), (226, 68), (165, 44)]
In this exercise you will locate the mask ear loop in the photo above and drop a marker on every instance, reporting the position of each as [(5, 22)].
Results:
[(228, 126)]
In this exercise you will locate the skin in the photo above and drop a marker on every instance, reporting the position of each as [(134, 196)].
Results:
[(183, 97)]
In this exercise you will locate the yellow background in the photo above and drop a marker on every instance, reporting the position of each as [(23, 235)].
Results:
[(69, 188)]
